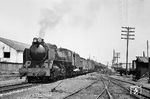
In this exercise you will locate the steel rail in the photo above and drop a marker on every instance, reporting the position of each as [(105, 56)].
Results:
[(54, 89), (110, 96), (105, 88), (137, 96), (4, 78), (79, 90), (7, 85), (101, 93), (6, 89), (131, 83), (127, 89)]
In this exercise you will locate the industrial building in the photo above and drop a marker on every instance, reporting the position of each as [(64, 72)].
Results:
[(11, 54), (141, 66)]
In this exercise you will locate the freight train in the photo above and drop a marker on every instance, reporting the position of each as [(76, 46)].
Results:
[(45, 62)]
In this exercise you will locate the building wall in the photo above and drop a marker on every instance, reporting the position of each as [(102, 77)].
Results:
[(142, 68), (19, 58), (7, 67), (15, 57)]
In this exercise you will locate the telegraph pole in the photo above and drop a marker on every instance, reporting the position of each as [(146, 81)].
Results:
[(113, 60), (147, 49), (148, 60), (127, 36)]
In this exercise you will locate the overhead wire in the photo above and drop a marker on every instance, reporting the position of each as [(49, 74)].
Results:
[(123, 9)]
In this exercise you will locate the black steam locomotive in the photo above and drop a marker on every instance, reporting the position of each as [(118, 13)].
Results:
[(45, 62)]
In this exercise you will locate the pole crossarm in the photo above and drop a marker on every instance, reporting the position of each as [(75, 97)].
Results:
[(128, 38), (128, 27), (128, 35), (128, 31)]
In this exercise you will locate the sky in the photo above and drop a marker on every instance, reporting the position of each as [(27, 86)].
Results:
[(92, 28)]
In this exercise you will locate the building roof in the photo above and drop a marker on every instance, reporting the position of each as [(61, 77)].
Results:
[(142, 59), (18, 46)]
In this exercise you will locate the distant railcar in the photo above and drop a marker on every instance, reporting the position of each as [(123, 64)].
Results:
[(65, 57), (84, 64)]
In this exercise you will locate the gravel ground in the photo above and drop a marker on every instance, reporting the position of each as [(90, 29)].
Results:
[(118, 92), (11, 81), (4, 77), (90, 93), (68, 86), (94, 90), (142, 91), (44, 91), (142, 81), (8, 79)]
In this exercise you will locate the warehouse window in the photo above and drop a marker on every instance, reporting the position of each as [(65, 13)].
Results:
[(6, 54)]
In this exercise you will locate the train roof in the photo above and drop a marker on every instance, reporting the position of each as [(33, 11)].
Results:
[(51, 45), (65, 49), (82, 58)]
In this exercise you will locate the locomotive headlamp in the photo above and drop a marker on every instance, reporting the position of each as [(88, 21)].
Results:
[(39, 40), (35, 40)]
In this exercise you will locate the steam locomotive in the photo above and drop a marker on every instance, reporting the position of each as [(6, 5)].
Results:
[(45, 62)]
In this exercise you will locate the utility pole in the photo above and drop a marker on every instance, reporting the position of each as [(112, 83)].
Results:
[(148, 60), (113, 60), (147, 49), (127, 36)]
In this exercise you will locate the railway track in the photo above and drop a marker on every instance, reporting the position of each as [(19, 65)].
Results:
[(108, 89), (76, 92), (4, 90), (4, 78), (101, 91), (103, 87), (105, 90), (117, 90), (143, 93)]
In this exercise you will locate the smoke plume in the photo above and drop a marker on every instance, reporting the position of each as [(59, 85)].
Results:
[(75, 13), (50, 18)]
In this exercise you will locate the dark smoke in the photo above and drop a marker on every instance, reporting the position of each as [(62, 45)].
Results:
[(50, 18)]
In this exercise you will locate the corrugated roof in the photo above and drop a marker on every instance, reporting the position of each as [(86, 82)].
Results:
[(15, 44), (142, 59)]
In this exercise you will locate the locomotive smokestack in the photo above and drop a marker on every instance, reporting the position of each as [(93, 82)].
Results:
[(38, 40)]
